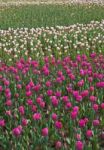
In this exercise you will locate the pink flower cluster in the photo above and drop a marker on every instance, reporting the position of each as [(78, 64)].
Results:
[(48, 100)]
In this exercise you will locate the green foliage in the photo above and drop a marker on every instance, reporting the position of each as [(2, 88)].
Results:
[(49, 15)]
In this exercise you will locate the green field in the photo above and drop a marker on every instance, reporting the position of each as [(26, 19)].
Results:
[(33, 16)]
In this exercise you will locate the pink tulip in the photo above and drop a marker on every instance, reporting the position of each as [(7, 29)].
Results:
[(48, 83), (93, 98), (6, 83), (54, 101), (8, 112), (96, 107), (24, 122), (42, 104), (39, 100), (37, 116), (8, 103), (100, 84), (28, 93), (2, 122), (80, 83), (37, 87), (19, 86), (84, 93), (78, 136), (76, 108), (79, 145), (68, 105), (96, 122), (93, 55), (17, 131), (58, 94), (65, 99), (49, 92), (54, 116), (58, 124), (29, 102), (78, 98), (89, 133), (34, 108), (102, 105), (91, 88), (74, 115), (82, 123), (21, 110), (45, 132), (58, 145)]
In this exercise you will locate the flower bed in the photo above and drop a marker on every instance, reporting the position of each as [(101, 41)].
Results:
[(60, 41), (52, 104)]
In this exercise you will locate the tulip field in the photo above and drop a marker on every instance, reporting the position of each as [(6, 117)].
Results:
[(52, 81)]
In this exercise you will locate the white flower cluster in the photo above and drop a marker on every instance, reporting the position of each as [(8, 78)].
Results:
[(60, 40)]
